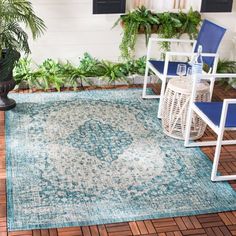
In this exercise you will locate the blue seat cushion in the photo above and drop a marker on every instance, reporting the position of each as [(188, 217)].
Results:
[(172, 67), (213, 111)]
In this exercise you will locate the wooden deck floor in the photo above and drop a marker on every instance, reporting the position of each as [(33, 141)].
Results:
[(210, 224)]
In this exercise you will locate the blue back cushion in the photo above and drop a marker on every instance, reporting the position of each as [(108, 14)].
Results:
[(209, 37)]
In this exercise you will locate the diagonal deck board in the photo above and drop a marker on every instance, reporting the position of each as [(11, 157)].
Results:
[(208, 224)]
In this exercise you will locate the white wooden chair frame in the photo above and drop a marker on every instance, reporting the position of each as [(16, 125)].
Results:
[(219, 130), (164, 77)]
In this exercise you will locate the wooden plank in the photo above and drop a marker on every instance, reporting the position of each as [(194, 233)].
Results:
[(142, 227), (134, 228), (102, 230), (150, 227), (86, 231), (225, 219), (94, 230), (53, 232), (180, 223)]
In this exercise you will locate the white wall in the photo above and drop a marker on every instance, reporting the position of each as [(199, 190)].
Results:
[(73, 30)]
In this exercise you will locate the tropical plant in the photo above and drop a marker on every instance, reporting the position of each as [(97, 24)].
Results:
[(134, 66), (14, 13), (113, 71), (90, 66), (23, 73), (227, 66), (168, 24), (56, 74), (169, 27), (190, 23), (51, 74), (75, 76), (141, 18)]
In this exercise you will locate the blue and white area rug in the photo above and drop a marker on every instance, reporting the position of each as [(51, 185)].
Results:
[(100, 157)]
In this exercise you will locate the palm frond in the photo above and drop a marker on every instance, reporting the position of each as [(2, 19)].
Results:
[(15, 38), (22, 11), (14, 15)]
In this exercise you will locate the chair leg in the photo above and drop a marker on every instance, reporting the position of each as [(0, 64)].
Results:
[(212, 84), (145, 81), (162, 94), (214, 176), (188, 127), (217, 156)]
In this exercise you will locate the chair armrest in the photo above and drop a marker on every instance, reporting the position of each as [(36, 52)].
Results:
[(230, 101), (218, 75), (159, 40), (189, 54), (172, 40)]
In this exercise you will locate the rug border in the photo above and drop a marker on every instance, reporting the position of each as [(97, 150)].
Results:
[(10, 212)]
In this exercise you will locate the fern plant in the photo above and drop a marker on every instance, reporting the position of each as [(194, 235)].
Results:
[(141, 18), (168, 25)]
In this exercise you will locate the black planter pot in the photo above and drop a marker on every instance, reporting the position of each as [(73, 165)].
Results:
[(7, 83), (5, 87)]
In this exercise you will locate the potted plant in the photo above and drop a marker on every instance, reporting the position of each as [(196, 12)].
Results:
[(141, 20), (14, 39), (166, 24), (169, 27)]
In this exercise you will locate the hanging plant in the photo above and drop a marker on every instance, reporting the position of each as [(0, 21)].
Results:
[(141, 19), (169, 27), (166, 24), (190, 23)]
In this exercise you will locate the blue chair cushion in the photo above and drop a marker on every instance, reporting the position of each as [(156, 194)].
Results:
[(213, 111), (172, 67)]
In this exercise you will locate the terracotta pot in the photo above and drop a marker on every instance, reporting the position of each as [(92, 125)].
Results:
[(155, 28), (141, 29), (122, 23)]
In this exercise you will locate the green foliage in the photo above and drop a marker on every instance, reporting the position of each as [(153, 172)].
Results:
[(133, 67), (23, 72), (168, 25), (14, 14), (190, 23), (72, 74), (113, 71), (51, 74), (90, 66), (227, 66), (134, 21), (57, 74)]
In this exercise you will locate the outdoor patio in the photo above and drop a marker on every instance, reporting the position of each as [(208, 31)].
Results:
[(120, 122)]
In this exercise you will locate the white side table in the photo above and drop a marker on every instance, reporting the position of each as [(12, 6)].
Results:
[(176, 105)]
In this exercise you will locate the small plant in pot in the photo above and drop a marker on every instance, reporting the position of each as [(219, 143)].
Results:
[(13, 39)]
